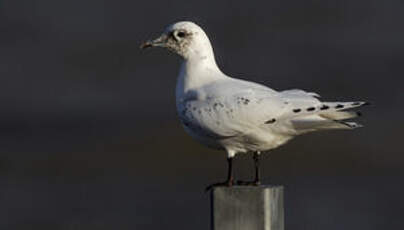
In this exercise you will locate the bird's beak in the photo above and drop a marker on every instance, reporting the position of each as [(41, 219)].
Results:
[(158, 42)]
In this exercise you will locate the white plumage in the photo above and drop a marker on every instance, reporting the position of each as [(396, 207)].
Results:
[(237, 115)]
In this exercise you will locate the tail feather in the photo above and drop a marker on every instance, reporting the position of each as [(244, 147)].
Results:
[(328, 115), (304, 125), (340, 115), (350, 125)]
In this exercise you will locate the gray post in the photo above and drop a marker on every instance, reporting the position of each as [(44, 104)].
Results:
[(247, 208)]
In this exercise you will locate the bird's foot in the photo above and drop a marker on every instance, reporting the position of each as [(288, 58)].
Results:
[(249, 183), (227, 183)]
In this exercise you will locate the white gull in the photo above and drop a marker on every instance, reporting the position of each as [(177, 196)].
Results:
[(239, 116)]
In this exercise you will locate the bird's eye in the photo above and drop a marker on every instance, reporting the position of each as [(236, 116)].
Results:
[(181, 34)]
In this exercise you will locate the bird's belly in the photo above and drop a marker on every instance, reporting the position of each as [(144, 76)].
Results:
[(257, 140)]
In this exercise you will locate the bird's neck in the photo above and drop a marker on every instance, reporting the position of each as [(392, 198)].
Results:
[(197, 71)]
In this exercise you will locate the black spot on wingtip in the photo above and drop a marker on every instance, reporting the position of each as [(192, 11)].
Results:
[(367, 103), (270, 121), (310, 109), (297, 110), (324, 107), (339, 106), (359, 114)]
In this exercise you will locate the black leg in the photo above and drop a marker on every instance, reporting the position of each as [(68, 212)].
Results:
[(230, 180), (230, 171), (257, 180), (256, 157)]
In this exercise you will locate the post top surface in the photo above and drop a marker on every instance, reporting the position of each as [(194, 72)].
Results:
[(254, 188)]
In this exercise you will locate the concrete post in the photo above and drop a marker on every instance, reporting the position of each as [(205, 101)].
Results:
[(247, 208)]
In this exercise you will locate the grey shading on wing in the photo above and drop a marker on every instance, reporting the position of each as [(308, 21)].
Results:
[(311, 114)]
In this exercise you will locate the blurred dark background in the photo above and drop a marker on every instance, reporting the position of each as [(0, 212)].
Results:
[(89, 137)]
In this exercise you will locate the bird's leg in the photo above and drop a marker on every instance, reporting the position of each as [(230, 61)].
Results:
[(230, 180), (230, 171), (257, 180), (256, 157)]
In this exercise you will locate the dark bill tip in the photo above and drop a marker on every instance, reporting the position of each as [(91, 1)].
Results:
[(146, 45)]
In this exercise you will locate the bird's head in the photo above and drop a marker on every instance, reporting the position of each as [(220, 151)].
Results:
[(186, 39)]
